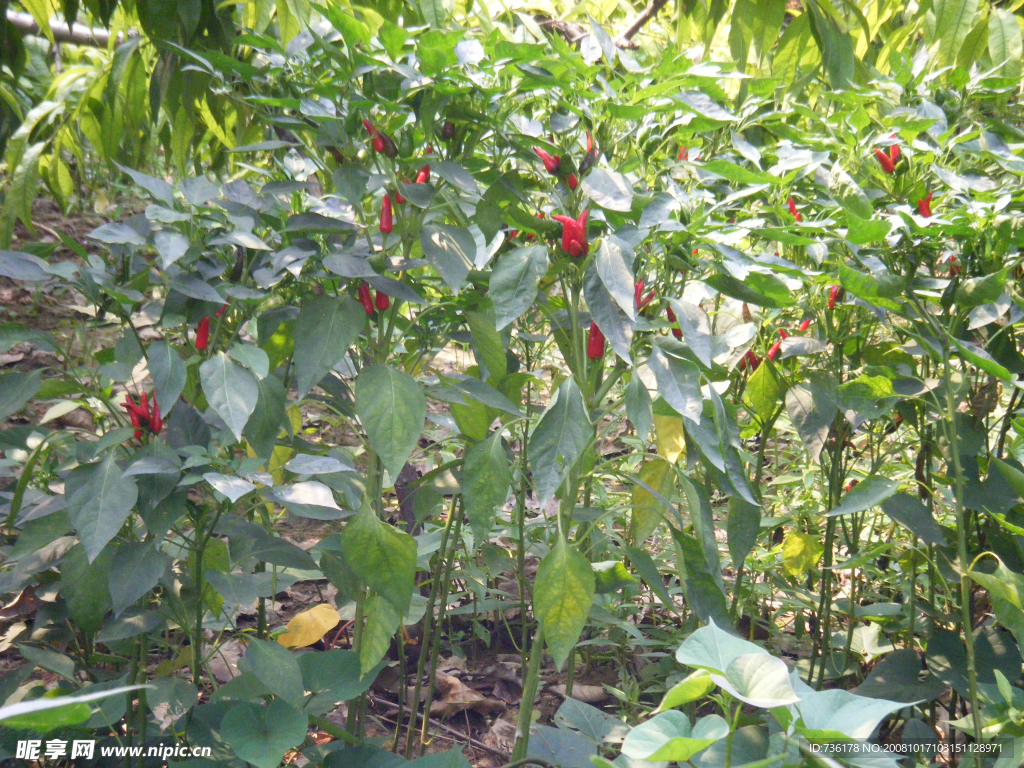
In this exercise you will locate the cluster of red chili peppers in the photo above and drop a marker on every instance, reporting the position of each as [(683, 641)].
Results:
[(752, 361), (370, 303), (553, 163), (382, 143), (891, 160), (142, 415)]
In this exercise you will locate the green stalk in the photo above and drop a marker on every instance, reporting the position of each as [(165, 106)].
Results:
[(529, 695), (357, 641), (961, 549), (428, 631), (443, 604)]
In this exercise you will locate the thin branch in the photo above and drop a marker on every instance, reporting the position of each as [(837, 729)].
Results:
[(625, 40), (77, 34)]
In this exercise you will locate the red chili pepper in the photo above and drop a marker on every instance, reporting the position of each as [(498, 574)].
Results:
[(894, 151), (551, 164), (835, 294), (513, 234), (851, 485), (375, 136), (574, 234), (590, 157), (572, 181), (793, 211), (386, 225), (424, 175), (684, 153), (749, 360), (398, 196), (365, 298), (954, 266), (382, 301), (447, 130), (640, 301), (885, 161), (783, 333), (429, 151), (595, 342), (694, 252), (924, 206), (203, 334), (155, 422), (672, 319), (220, 311), (806, 324)]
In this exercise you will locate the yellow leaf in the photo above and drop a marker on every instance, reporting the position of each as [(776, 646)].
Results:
[(668, 433), (648, 509), (800, 552), (309, 626)]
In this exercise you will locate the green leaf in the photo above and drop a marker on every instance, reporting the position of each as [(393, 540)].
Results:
[(738, 173), (611, 575), (880, 291), (84, 587), (812, 411), (758, 679), (608, 189), (977, 355), (383, 557), (613, 322), (136, 568), (909, 512), (742, 528), (231, 390), (949, 22), (696, 328), (486, 480), (382, 621), (158, 188), (758, 288), (638, 406), (168, 372), (16, 389), (694, 686), (562, 596), (1005, 46), (324, 330), (558, 440), (668, 736), (838, 715), (648, 509), (764, 390), (19, 715), (713, 649), (975, 291), (391, 407), (334, 675), (679, 383), (614, 261), (514, 281), (261, 735), (848, 193), (487, 345), (276, 667), (867, 494), (99, 508), (451, 251)]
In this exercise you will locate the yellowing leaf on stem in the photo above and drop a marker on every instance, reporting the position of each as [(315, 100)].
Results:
[(648, 509), (669, 437), (800, 553), (309, 626)]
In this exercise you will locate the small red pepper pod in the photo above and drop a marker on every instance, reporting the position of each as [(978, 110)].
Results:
[(894, 151), (365, 298), (783, 333), (793, 211), (448, 130), (572, 181), (954, 266), (885, 161), (221, 311), (684, 153), (749, 360), (155, 422), (851, 485), (835, 294), (398, 198), (595, 342), (382, 301), (673, 319), (806, 324), (774, 350), (551, 164), (924, 206), (424, 175), (386, 225), (203, 334)]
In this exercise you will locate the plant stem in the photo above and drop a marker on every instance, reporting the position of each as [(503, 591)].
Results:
[(529, 694)]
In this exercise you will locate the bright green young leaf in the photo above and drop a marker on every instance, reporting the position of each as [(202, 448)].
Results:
[(694, 686), (383, 557), (800, 553), (669, 736)]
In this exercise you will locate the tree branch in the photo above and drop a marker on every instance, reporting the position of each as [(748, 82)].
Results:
[(78, 34), (625, 40)]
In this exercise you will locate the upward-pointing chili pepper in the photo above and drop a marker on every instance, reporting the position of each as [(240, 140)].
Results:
[(684, 153), (155, 422), (574, 234), (885, 161), (793, 211), (638, 296), (424, 175), (749, 360), (551, 164), (572, 181), (589, 158), (365, 298), (595, 342), (924, 206), (386, 223), (954, 266), (835, 294), (382, 301), (894, 151), (398, 196), (203, 334)]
